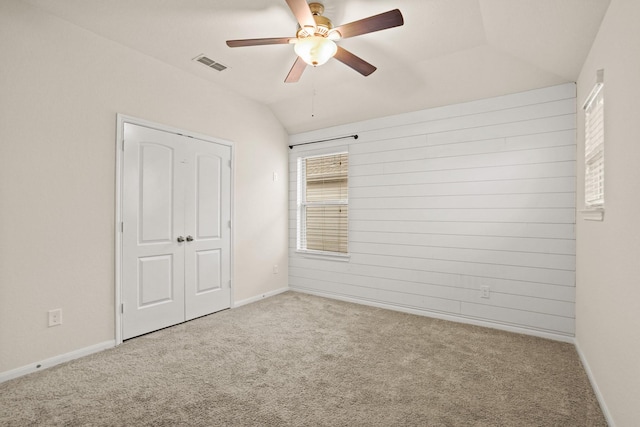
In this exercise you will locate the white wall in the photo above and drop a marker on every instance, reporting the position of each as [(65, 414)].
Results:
[(608, 263), (447, 200), (61, 88)]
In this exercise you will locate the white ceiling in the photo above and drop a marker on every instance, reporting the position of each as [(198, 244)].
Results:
[(448, 51)]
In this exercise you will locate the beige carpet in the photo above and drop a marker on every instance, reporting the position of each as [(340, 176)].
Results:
[(299, 360)]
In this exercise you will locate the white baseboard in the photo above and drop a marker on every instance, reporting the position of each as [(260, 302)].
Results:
[(594, 386), (56, 360), (442, 316), (259, 297)]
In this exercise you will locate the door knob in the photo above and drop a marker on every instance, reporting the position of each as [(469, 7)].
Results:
[(189, 238), (180, 239)]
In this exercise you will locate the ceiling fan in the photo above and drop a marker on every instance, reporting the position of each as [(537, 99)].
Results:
[(314, 42)]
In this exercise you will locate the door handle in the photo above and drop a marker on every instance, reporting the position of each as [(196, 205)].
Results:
[(180, 239), (189, 238)]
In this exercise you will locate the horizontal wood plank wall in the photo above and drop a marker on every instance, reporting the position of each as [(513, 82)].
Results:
[(445, 201)]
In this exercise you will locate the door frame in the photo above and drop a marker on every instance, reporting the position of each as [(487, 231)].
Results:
[(121, 120)]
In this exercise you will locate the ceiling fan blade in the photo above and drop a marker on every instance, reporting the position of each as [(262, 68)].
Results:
[(303, 14), (357, 63), (390, 19), (296, 71), (260, 42)]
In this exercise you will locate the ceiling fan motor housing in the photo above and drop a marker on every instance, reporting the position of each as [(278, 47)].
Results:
[(323, 24), (316, 8)]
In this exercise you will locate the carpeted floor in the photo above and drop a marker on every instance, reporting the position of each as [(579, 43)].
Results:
[(300, 360)]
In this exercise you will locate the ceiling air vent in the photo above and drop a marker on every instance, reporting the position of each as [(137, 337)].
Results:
[(210, 63)]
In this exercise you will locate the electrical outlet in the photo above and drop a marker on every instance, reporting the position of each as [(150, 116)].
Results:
[(55, 317), (276, 270), (485, 291), (275, 176)]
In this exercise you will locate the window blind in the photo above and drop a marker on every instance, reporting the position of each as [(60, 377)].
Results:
[(594, 148)]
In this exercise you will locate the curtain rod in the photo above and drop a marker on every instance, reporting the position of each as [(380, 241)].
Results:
[(324, 140)]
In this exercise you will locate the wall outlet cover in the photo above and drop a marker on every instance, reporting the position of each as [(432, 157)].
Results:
[(55, 317)]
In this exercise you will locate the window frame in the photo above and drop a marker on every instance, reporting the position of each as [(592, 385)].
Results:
[(302, 204)]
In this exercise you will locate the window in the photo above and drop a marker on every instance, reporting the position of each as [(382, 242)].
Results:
[(594, 147), (323, 204)]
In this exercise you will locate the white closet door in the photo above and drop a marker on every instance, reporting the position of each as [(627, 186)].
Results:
[(176, 240), (207, 215), (153, 216)]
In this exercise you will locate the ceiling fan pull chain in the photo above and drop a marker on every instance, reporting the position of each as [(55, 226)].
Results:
[(313, 93), (313, 103)]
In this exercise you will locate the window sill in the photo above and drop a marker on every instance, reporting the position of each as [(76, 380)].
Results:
[(328, 256), (593, 214)]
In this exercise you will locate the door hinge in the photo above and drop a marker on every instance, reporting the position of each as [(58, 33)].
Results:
[(229, 163), (122, 227), (229, 223), (122, 308), (229, 283)]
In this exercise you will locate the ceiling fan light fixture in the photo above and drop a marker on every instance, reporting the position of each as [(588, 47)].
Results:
[(315, 50)]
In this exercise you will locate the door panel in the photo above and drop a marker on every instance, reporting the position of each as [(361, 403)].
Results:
[(156, 174), (208, 272), (208, 182), (155, 281)]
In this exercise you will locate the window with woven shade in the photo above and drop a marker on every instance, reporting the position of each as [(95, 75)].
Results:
[(323, 204)]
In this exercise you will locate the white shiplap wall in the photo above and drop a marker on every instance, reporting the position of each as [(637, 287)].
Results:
[(447, 200)]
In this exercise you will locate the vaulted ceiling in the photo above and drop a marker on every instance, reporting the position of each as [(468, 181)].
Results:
[(448, 51)]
